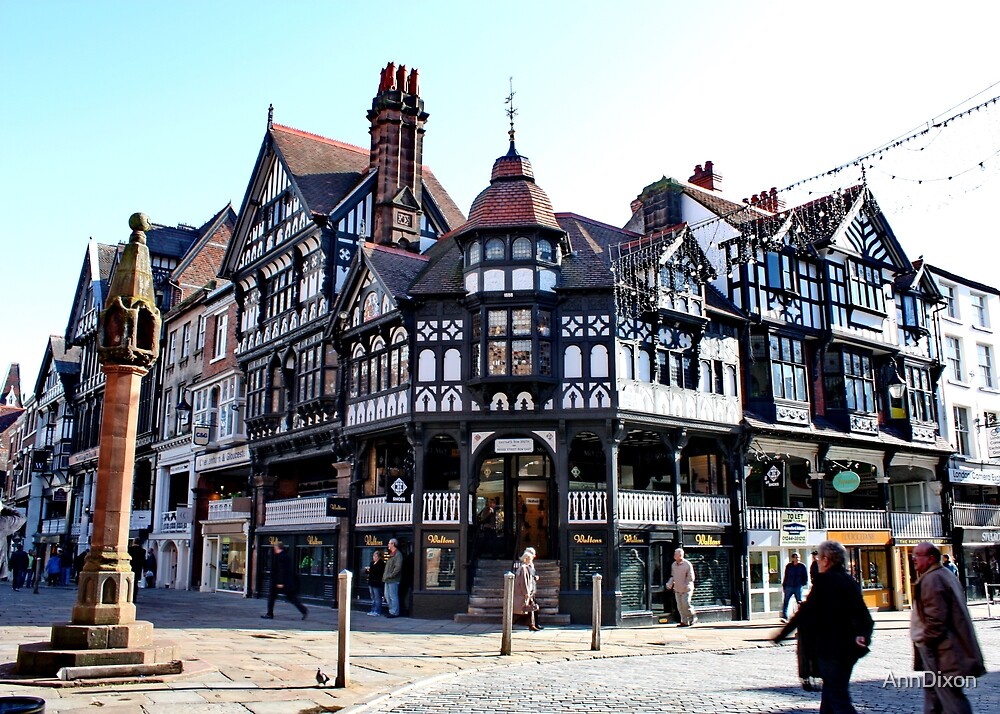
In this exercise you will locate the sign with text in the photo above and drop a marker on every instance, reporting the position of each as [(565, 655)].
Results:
[(794, 528), (993, 441), (513, 446), (338, 507), (236, 456), (201, 434)]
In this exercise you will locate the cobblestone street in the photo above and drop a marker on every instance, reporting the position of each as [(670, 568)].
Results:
[(756, 680)]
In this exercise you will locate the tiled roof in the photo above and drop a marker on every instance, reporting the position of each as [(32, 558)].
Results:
[(106, 258), (325, 170), (172, 241), (8, 415), (66, 361), (443, 273), (395, 267), (588, 264), (452, 213), (512, 198), (719, 303)]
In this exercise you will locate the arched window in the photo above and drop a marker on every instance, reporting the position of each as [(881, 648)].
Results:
[(626, 363), (495, 249), (545, 251), (572, 363), (521, 249), (645, 373), (371, 308), (598, 362), (426, 366), (473, 254)]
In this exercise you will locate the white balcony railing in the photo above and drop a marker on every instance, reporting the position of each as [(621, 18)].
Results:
[(916, 525), (442, 507), (646, 507), (375, 511), (975, 514), (175, 522), (698, 510), (53, 526), (840, 519), (298, 511), (588, 507), (761, 518), (229, 508)]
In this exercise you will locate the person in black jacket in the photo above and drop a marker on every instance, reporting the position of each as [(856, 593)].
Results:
[(19, 566), (283, 581), (795, 579), (835, 627)]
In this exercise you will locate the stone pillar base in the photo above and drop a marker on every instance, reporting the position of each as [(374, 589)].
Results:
[(105, 597), (41, 659)]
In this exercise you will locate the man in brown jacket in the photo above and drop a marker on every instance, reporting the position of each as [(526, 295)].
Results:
[(944, 639)]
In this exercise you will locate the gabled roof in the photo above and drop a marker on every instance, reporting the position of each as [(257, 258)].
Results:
[(66, 363), (396, 268), (9, 415), (443, 272), (95, 272), (324, 170), (720, 304), (170, 241), (12, 383)]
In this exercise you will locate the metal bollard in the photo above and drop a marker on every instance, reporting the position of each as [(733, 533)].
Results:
[(595, 616), (508, 613), (344, 629)]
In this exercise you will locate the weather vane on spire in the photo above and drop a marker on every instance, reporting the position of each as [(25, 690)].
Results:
[(511, 111)]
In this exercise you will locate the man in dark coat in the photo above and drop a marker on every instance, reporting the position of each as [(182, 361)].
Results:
[(283, 581), (944, 640), (834, 626), (19, 566)]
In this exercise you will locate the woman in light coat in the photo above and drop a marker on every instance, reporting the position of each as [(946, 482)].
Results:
[(525, 586)]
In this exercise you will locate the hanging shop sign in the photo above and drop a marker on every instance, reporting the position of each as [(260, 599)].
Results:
[(201, 434), (774, 475), (846, 481), (794, 528), (338, 507), (400, 491), (993, 441)]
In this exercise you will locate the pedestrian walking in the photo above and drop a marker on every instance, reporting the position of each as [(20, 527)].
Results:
[(19, 565), (948, 565), (792, 583), (283, 582), (391, 577), (814, 566), (11, 521), (944, 640), (376, 588), (835, 627), (29, 579), (149, 569), (682, 583), (525, 588), (53, 569), (138, 555)]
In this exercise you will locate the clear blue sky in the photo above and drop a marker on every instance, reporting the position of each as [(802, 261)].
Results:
[(107, 108)]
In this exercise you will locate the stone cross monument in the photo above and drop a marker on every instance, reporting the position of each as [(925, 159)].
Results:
[(104, 629)]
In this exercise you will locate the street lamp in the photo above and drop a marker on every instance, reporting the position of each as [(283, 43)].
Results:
[(895, 383)]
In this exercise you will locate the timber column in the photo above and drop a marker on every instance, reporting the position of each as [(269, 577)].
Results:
[(104, 629)]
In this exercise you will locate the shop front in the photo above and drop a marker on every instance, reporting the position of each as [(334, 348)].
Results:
[(365, 544), (980, 562), (868, 558), (314, 557), (711, 556), (224, 567), (771, 550), (587, 555), (904, 574)]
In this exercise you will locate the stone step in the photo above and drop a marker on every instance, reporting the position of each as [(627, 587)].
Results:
[(496, 602), (497, 618)]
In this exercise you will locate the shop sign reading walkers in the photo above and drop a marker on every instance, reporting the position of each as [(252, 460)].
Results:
[(794, 528)]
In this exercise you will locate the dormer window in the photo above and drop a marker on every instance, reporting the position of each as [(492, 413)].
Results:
[(865, 283), (473, 254), (495, 249), (521, 249)]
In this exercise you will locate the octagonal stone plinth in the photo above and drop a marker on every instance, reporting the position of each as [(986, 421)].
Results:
[(99, 637)]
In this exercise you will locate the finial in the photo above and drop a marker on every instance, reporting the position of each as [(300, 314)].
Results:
[(511, 111), (139, 222), (270, 116)]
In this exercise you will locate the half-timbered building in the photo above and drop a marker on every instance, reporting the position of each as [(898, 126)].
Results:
[(311, 201), (840, 367)]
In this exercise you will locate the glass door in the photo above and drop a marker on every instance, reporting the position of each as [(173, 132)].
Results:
[(765, 582), (513, 507)]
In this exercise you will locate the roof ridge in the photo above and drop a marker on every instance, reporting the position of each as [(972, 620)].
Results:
[(318, 137), (396, 251), (594, 221)]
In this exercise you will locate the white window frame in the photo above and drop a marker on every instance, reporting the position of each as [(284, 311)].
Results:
[(984, 352), (951, 297), (186, 340), (953, 356), (199, 343), (980, 311), (963, 433), (221, 329)]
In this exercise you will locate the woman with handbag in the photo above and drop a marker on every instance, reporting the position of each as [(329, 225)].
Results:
[(525, 586)]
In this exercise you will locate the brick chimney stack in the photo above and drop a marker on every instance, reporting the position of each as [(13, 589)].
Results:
[(706, 177), (397, 121), (766, 200)]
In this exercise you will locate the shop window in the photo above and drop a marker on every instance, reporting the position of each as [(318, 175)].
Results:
[(633, 574), (585, 561), (232, 564), (440, 566), (712, 584)]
